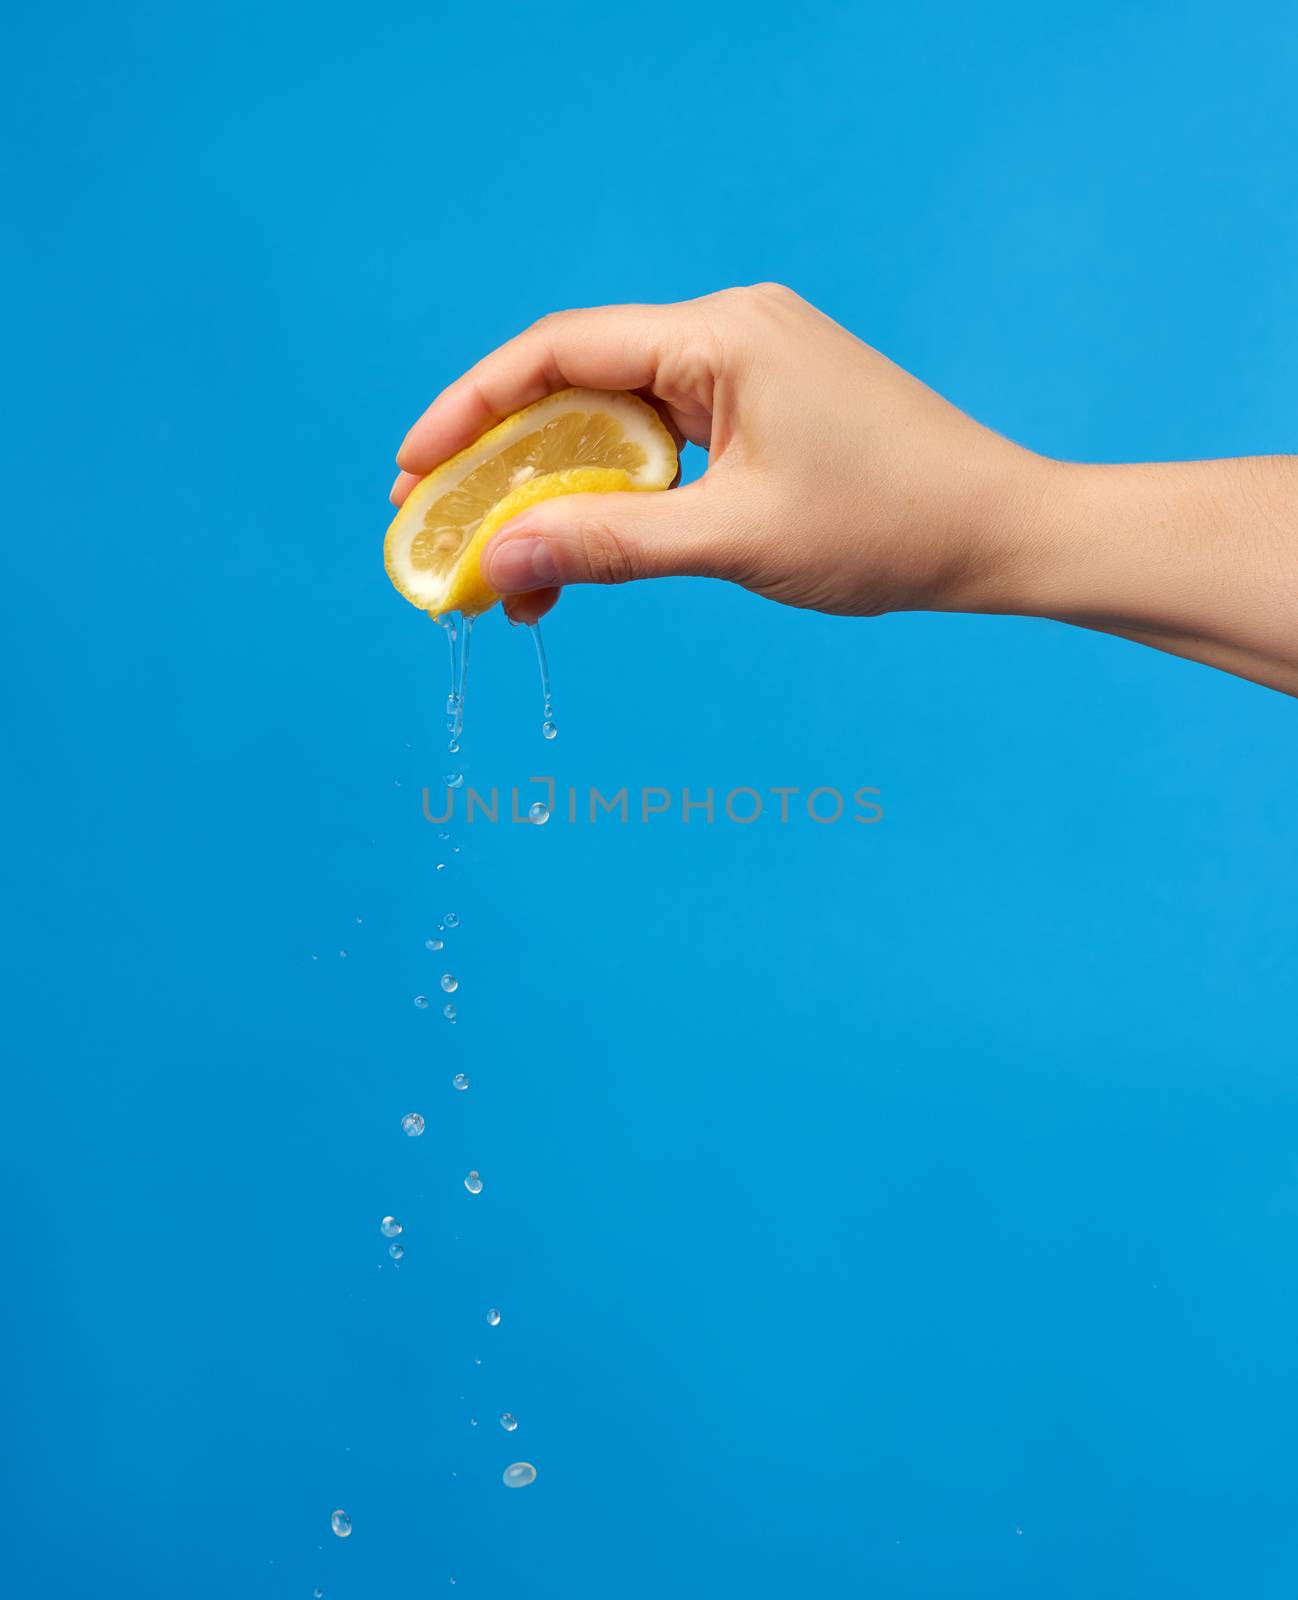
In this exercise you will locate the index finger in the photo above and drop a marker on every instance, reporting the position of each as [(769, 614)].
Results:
[(610, 347)]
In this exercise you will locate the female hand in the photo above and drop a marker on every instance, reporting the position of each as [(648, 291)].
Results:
[(835, 480), (839, 482)]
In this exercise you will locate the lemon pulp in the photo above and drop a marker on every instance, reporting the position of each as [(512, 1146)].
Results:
[(579, 441)]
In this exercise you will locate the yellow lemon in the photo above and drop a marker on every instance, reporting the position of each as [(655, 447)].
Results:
[(579, 441)]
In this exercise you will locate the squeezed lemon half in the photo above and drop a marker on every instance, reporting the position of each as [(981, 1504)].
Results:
[(579, 441)]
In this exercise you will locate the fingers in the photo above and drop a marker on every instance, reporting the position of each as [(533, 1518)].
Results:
[(609, 538), (530, 607), (611, 347), (405, 482)]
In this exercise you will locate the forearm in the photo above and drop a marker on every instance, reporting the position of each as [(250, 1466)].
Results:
[(1196, 558)]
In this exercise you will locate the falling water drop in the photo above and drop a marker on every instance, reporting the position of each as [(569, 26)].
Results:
[(432, 944), (459, 678), (493, 1318), (449, 1013), (450, 983), (389, 1227), (412, 1124), (448, 625), (508, 1421), (454, 747), (451, 920), (341, 1524), (548, 728), (538, 812), (518, 1475), (421, 1000), (460, 1080), (396, 1251), (473, 1183), (454, 780)]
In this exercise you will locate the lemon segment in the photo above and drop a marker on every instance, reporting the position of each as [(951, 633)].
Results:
[(579, 441), (468, 591)]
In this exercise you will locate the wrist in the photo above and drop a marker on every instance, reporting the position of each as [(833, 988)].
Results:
[(1015, 512)]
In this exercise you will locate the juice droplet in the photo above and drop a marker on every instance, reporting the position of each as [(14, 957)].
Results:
[(459, 678), (473, 1183), (412, 1124), (460, 1081), (538, 812), (451, 920), (518, 1475), (432, 944), (493, 1318), (396, 1251), (508, 1421), (448, 625), (450, 983), (449, 1013), (341, 1524), (548, 729), (389, 1227), (421, 1000)]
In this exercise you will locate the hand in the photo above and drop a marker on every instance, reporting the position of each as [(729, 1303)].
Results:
[(835, 481)]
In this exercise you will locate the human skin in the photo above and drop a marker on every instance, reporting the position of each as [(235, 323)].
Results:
[(838, 482)]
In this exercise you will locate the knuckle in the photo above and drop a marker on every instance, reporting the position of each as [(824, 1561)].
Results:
[(691, 360), (774, 291), (548, 320), (607, 556), (755, 305)]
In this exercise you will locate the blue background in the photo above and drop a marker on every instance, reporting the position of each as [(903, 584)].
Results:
[(908, 1210)]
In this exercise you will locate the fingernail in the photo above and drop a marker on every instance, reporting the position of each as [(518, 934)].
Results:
[(522, 564)]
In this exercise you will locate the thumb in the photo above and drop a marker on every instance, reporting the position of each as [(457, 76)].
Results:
[(605, 538)]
